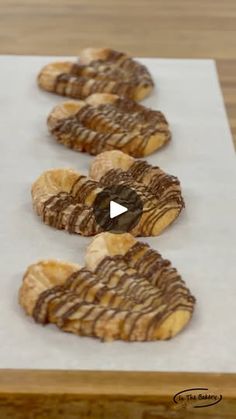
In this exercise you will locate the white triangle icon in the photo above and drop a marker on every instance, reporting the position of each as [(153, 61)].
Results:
[(116, 209)]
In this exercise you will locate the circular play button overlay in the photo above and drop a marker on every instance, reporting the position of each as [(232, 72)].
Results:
[(117, 209)]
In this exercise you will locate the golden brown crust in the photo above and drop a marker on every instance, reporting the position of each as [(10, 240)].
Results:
[(98, 70), (51, 183), (117, 300), (105, 122), (41, 276), (89, 55), (108, 160), (50, 72), (117, 167), (107, 244), (64, 199), (108, 249), (63, 111), (58, 198)]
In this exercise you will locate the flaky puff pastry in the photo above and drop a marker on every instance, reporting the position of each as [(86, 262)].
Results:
[(99, 70), (65, 199), (114, 166), (122, 256), (112, 298), (106, 122)]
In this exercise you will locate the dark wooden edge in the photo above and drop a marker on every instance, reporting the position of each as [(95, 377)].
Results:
[(99, 394)]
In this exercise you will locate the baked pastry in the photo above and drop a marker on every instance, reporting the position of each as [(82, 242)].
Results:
[(116, 301), (113, 167), (64, 199), (118, 259), (106, 122), (98, 70)]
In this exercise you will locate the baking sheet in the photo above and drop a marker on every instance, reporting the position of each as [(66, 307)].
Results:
[(201, 243)]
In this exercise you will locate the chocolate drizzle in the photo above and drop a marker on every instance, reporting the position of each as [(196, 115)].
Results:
[(64, 211), (122, 125), (127, 297), (159, 191), (116, 74)]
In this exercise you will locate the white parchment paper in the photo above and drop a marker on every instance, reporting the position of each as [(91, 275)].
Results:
[(201, 243)]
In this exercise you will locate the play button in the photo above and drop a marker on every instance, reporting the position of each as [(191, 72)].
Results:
[(117, 209)]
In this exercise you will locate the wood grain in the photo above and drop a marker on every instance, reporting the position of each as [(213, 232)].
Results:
[(109, 395), (154, 28), (168, 28)]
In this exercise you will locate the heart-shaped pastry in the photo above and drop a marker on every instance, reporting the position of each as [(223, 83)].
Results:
[(127, 291), (106, 122), (98, 70), (65, 199)]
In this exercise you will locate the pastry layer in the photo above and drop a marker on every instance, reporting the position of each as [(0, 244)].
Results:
[(65, 199), (106, 122), (127, 291), (98, 70)]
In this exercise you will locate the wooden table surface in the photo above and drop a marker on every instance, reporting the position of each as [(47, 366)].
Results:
[(154, 28)]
